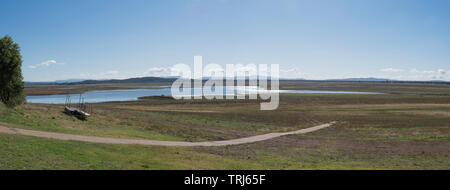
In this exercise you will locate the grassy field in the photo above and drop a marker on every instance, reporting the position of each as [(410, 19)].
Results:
[(406, 128)]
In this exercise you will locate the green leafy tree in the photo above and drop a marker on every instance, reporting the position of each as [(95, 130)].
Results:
[(11, 80)]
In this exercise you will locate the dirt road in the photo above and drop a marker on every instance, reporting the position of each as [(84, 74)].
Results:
[(93, 139)]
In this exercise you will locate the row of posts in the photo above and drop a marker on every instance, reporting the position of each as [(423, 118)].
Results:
[(81, 104)]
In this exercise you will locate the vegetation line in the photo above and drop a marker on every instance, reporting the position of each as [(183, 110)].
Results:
[(62, 136)]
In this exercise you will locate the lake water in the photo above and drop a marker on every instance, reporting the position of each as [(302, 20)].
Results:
[(130, 95)]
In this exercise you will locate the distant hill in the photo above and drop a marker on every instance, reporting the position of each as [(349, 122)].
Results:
[(172, 79), (37, 83), (102, 81), (130, 80), (57, 81), (370, 79), (70, 81)]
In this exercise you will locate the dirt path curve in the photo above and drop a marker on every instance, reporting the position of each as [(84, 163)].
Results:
[(93, 139)]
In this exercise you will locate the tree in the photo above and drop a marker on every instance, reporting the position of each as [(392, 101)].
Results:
[(11, 80)]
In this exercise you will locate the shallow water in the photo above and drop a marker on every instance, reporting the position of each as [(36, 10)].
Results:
[(134, 94)]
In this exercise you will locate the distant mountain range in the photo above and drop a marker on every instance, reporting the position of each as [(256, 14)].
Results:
[(171, 79), (102, 81), (68, 81), (72, 80), (370, 79), (130, 80)]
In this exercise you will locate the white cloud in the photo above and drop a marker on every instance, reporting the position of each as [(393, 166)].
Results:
[(407, 74), (112, 72), (101, 75), (208, 71), (442, 72), (214, 70), (392, 70), (250, 68), (293, 73), (439, 74), (158, 72), (45, 64), (286, 73), (422, 71)]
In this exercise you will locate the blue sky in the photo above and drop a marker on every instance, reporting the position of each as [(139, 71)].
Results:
[(317, 39)]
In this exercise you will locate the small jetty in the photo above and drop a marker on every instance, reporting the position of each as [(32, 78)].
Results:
[(81, 109)]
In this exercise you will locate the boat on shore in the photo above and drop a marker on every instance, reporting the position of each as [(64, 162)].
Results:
[(76, 112)]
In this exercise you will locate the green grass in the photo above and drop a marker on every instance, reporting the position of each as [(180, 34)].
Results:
[(50, 118), (406, 129), (21, 152)]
